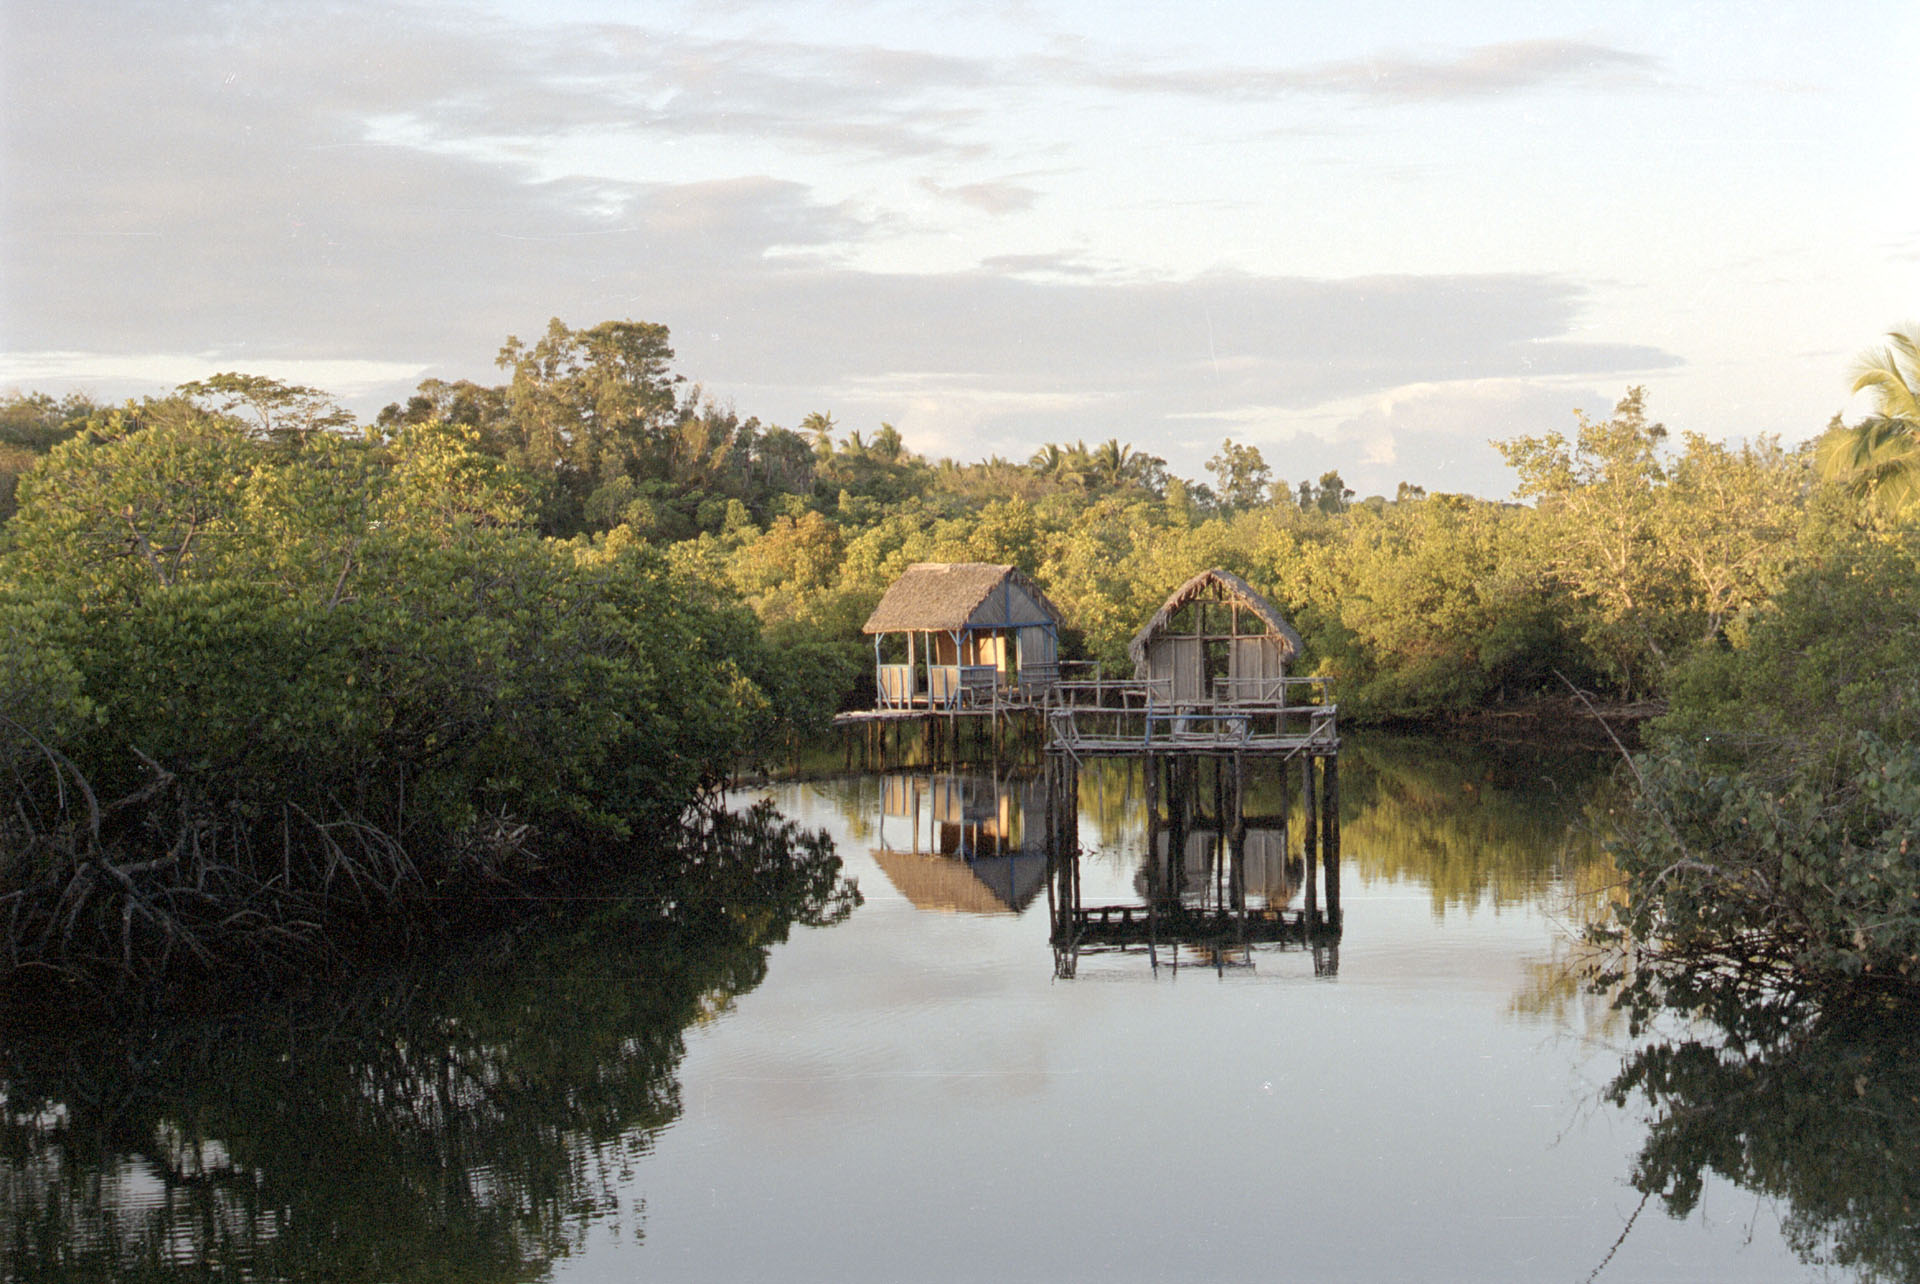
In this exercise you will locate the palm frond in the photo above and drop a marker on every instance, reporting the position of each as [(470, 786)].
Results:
[(1892, 374)]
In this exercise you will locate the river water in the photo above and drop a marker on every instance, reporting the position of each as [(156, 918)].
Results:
[(759, 1078)]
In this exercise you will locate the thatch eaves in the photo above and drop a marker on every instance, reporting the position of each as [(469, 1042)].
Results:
[(1222, 586), (952, 884), (958, 595)]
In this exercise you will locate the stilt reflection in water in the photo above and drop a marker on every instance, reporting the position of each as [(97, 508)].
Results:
[(969, 843), (1220, 879)]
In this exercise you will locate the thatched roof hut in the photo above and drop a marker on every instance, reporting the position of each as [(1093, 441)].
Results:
[(1215, 638), (951, 596), (963, 633)]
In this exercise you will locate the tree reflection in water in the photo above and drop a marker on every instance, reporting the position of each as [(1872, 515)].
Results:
[(1821, 1113), (466, 1119)]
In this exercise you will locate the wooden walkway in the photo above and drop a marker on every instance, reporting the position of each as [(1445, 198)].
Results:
[(1107, 718)]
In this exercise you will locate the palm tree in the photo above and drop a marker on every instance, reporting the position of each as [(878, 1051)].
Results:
[(1046, 460), (1114, 464), (1065, 466), (887, 443), (1879, 457)]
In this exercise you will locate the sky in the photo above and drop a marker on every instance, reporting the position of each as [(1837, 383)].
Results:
[(1363, 237)]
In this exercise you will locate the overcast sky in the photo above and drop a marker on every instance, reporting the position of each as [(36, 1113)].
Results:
[(1360, 237)]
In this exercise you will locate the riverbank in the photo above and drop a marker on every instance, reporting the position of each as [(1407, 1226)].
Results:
[(1568, 719)]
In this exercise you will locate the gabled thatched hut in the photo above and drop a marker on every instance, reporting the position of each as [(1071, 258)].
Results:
[(1215, 641), (963, 633)]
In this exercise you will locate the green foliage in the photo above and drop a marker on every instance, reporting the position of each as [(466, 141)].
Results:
[(1775, 846), (327, 678), (276, 411), (31, 424), (147, 498), (1657, 553), (1835, 652), (1747, 884), (1598, 497), (588, 406), (1241, 475), (1428, 608), (1331, 496), (1628, 560)]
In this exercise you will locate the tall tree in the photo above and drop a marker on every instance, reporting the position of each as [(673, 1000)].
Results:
[(819, 425), (1598, 513), (1242, 474), (1333, 494), (281, 412), (590, 406)]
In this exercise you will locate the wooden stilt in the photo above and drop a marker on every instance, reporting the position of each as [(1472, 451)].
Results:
[(1332, 774), (1310, 837), (1239, 801)]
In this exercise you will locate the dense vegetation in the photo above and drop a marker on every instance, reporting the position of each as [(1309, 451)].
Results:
[(267, 668), (260, 688), (1775, 853)]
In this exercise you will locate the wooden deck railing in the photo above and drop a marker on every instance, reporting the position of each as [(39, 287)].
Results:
[(896, 685), (1130, 717)]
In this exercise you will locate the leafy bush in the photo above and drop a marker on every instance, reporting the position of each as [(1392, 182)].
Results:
[(1777, 840), (254, 691)]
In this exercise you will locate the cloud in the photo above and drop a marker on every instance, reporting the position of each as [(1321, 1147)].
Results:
[(1477, 72), (1440, 435), (989, 198), (343, 184), (346, 378), (1059, 264)]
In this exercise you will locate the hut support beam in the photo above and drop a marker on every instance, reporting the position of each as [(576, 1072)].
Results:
[(1310, 837), (1332, 808)]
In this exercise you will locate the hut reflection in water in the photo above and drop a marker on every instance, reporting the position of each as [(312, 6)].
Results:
[(1220, 877), (963, 843), (1220, 880)]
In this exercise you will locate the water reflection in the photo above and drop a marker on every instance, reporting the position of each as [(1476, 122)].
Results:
[(483, 1117), (1821, 1113), (967, 843), (1473, 822), (1218, 877), (466, 1119), (1468, 821)]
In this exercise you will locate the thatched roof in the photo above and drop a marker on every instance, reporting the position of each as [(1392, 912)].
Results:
[(1219, 586), (951, 884), (958, 595)]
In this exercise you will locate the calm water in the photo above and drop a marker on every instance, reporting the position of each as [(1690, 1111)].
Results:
[(770, 1082)]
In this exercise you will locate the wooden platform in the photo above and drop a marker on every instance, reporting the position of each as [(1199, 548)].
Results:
[(920, 713), (1115, 718), (1270, 730), (1165, 925), (1199, 746)]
